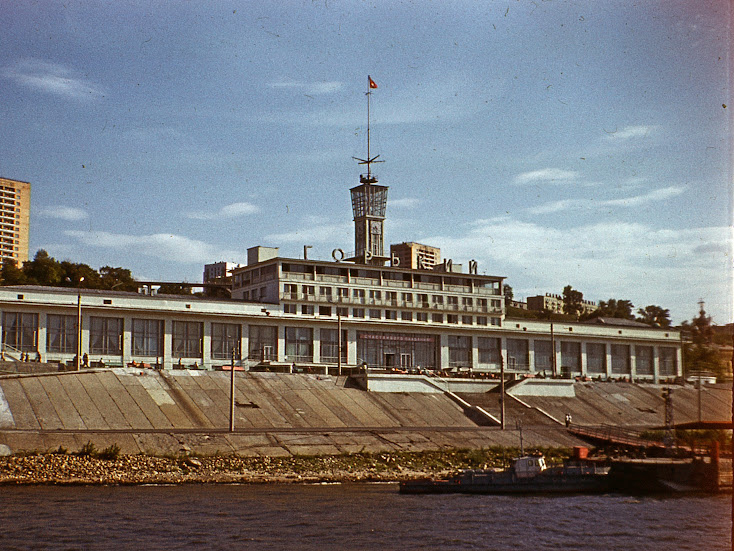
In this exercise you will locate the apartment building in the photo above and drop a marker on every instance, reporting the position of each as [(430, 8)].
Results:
[(15, 209)]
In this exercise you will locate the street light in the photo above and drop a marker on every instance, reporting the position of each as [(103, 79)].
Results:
[(79, 324)]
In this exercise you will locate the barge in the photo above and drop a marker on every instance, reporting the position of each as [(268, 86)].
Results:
[(527, 475)]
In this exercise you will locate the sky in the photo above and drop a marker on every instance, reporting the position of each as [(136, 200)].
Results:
[(554, 142)]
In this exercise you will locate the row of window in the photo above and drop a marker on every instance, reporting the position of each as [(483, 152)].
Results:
[(407, 298), (20, 331), (377, 314)]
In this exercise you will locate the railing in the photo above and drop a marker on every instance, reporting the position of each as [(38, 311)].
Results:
[(11, 352)]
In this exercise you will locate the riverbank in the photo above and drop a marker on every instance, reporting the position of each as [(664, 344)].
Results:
[(88, 467)]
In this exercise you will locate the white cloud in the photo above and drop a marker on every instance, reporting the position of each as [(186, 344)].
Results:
[(162, 246), (405, 202), (313, 233), (309, 88), (228, 211), (629, 132), (552, 175), (52, 78), (670, 268), (634, 201), (61, 212)]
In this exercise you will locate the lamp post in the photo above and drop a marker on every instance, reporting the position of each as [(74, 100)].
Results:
[(339, 346), (79, 325)]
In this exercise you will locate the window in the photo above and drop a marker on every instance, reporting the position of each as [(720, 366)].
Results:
[(147, 337), (375, 295), (290, 308), (495, 321), (342, 311), (329, 346), (291, 291), (392, 296), (61, 334), (375, 314), (105, 336), (570, 357), (482, 304), (453, 302), (596, 357), (467, 320), (488, 349), (324, 310), (263, 343), (342, 292), (325, 292), (459, 351), (423, 300), (358, 293), (406, 316), (437, 299), (481, 320), (437, 318), (517, 354), (187, 339), (620, 358), (308, 291), (644, 360), (452, 318), (307, 309), (407, 297), (20, 331), (421, 316), (225, 338), (467, 303), (391, 315), (299, 344), (668, 361), (357, 312)]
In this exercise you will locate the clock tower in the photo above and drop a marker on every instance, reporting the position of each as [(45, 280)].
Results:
[(369, 201)]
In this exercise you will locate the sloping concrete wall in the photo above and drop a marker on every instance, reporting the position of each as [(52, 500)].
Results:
[(130, 399)]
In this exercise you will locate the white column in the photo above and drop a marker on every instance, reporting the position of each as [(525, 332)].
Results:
[(206, 345)]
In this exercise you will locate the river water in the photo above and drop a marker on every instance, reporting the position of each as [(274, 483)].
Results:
[(357, 516)]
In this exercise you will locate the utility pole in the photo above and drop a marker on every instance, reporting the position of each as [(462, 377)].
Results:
[(231, 394), (553, 351), (502, 391)]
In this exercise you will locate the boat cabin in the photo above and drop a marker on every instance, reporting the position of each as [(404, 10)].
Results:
[(529, 466)]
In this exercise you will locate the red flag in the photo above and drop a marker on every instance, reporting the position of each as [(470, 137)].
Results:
[(373, 84)]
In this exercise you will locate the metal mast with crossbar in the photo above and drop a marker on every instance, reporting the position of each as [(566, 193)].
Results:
[(369, 202)]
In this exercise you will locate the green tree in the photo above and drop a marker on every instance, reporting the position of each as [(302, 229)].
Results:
[(654, 315), (175, 289), (118, 278), (11, 274), (613, 308), (43, 270), (572, 301), (509, 295), (699, 353)]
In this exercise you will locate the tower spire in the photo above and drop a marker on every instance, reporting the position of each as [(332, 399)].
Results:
[(369, 201), (368, 179)]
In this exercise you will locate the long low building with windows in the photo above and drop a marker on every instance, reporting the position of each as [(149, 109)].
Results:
[(119, 328)]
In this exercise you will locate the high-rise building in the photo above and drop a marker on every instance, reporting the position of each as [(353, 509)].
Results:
[(415, 256), (15, 216)]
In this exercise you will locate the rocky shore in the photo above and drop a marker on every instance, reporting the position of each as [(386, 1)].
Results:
[(90, 467)]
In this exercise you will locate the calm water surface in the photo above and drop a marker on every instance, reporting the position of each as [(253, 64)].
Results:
[(361, 516)]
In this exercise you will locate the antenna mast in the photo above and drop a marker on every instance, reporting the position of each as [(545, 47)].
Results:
[(369, 160)]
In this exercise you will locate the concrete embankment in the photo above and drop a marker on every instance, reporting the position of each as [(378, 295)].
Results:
[(278, 415)]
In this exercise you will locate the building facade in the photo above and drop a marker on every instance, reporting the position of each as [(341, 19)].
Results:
[(119, 328), (15, 211), (554, 303)]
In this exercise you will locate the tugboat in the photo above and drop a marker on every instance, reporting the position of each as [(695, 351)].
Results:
[(528, 474)]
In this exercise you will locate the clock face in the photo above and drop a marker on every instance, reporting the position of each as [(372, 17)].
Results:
[(375, 228)]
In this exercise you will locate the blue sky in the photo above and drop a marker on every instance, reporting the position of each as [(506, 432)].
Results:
[(555, 142)]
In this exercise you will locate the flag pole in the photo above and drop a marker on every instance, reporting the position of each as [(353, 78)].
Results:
[(369, 93)]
